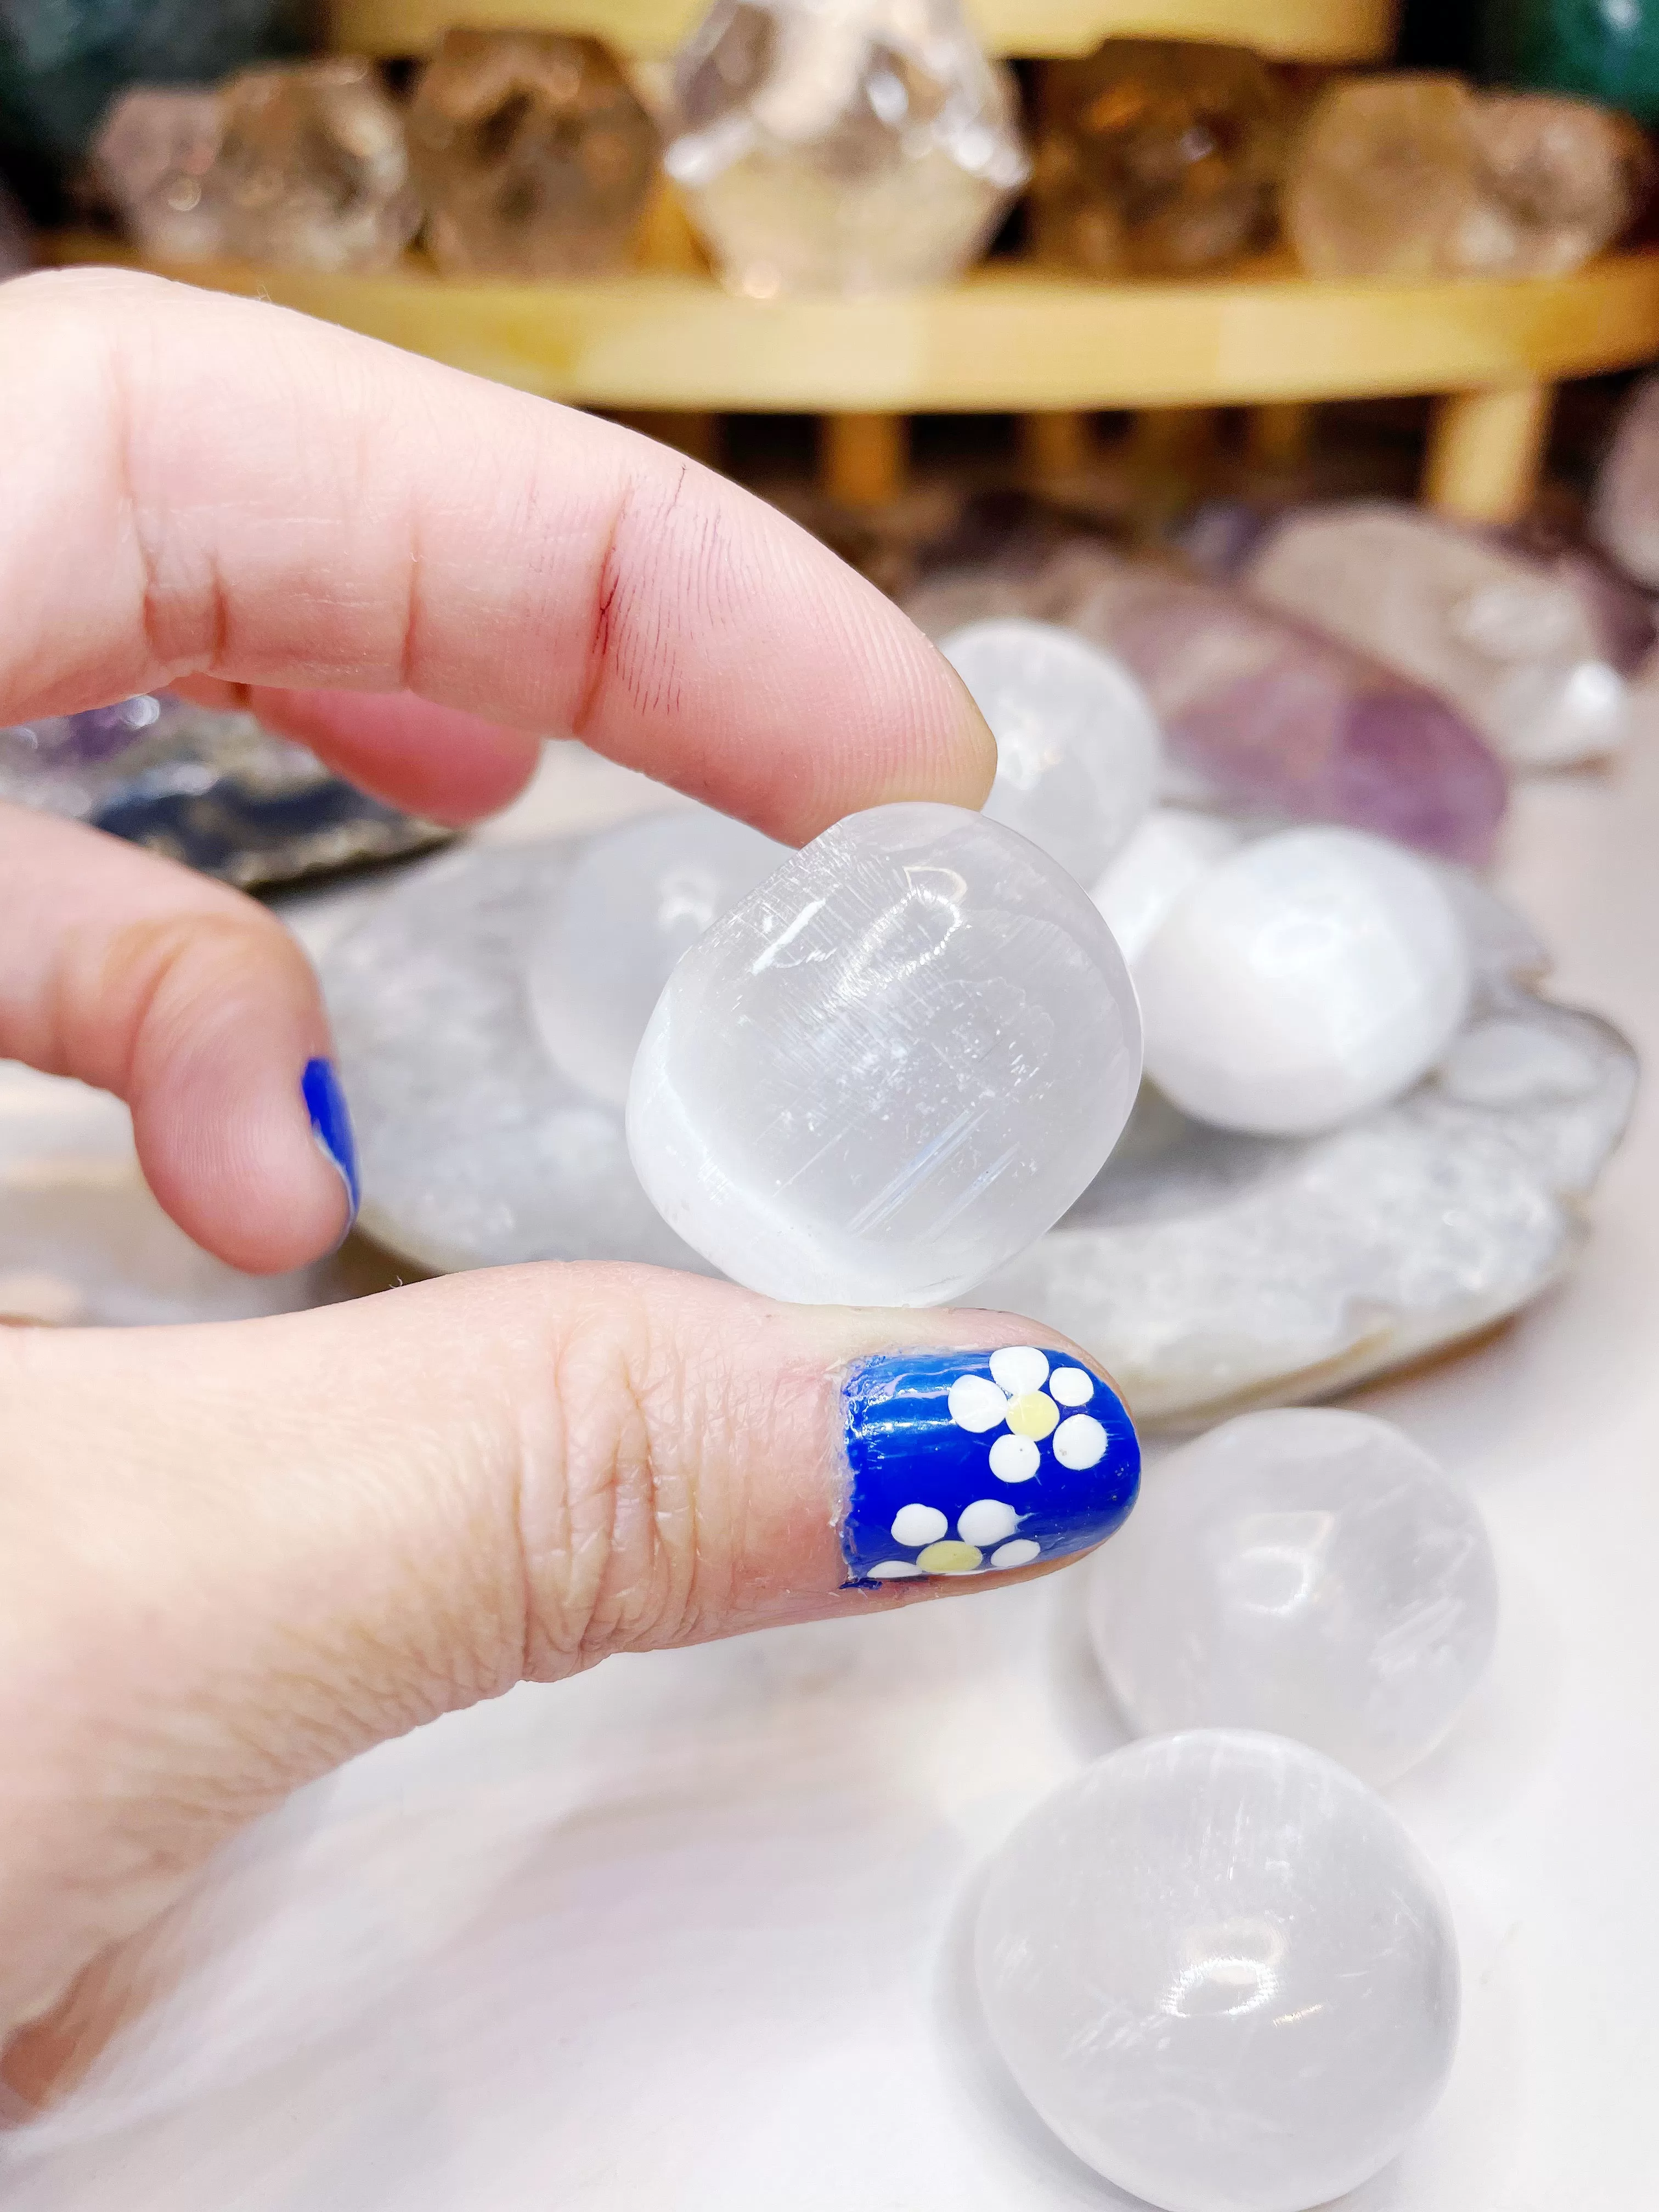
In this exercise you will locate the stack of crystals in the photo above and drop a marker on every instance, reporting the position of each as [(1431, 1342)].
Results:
[(1157, 157), (862, 148), (1523, 645), (154, 160), (1260, 714), (532, 155), (314, 170), (1625, 512), (1414, 176)]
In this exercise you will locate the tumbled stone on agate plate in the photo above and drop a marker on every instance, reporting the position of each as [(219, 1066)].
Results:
[(1312, 976), (1222, 1971), (891, 1067), (1078, 746)]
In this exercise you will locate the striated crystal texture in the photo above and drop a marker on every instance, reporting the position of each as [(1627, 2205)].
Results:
[(1260, 714), (1078, 749), (1157, 868), (638, 897), (891, 1067), (1222, 1972), (314, 171), (1624, 513), (1157, 157), (1515, 640), (155, 157), (1307, 979), (475, 1148), (864, 147), (532, 153), (1417, 176), (1310, 1572)]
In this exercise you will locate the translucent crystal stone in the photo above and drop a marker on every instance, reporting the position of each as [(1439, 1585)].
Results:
[(1157, 156), (1417, 176), (314, 169), (1310, 1572), (1315, 974), (532, 153), (860, 148), (1512, 639), (891, 1067), (1260, 714), (1624, 513), (638, 897), (1222, 1972), (154, 157), (1078, 749), (1162, 861)]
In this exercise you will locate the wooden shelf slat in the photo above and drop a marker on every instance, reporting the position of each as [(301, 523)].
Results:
[(1008, 338), (1304, 30)]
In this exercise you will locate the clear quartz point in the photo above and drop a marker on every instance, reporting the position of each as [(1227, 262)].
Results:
[(860, 148), (891, 1066), (154, 157), (314, 169)]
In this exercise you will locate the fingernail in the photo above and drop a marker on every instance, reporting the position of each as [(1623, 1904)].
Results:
[(331, 1124), (972, 1462)]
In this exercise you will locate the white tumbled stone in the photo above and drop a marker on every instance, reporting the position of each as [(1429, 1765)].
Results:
[(1166, 856), (1222, 1972), (1078, 746), (635, 899), (891, 1067), (1313, 976), (1312, 1572)]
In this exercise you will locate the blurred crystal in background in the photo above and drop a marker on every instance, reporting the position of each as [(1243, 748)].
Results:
[(155, 158), (1157, 157), (860, 148), (314, 170), (532, 153)]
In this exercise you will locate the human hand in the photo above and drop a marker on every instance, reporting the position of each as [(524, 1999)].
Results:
[(231, 1557)]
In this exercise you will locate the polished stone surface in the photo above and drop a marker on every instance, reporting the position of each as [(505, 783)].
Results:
[(1172, 849), (1260, 714), (608, 938), (890, 1068), (864, 147), (1407, 175), (532, 153), (314, 171), (1078, 750), (1516, 639), (1302, 983), (1157, 157), (1311, 1572), (1223, 1973)]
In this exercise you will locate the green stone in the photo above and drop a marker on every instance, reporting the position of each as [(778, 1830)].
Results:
[(1606, 50)]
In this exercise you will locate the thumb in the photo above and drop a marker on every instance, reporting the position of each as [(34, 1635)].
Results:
[(231, 1557)]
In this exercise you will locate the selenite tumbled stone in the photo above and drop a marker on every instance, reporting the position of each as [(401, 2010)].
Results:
[(639, 896), (861, 147), (1315, 974), (1160, 864), (1078, 747), (1223, 1973), (891, 1067), (1311, 1572)]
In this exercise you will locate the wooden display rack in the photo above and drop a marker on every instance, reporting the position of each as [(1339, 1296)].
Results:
[(1008, 338)]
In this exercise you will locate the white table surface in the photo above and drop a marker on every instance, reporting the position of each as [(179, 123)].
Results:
[(686, 1934)]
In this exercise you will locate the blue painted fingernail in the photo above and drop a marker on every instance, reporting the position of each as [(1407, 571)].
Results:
[(331, 1124), (970, 1463)]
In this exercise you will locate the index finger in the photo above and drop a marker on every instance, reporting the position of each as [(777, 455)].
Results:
[(205, 486)]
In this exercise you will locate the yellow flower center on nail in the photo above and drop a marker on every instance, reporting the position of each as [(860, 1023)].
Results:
[(1035, 1414), (949, 1558)]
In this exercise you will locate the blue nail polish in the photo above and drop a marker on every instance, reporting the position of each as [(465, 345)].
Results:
[(971, 1462), (331, 1124)]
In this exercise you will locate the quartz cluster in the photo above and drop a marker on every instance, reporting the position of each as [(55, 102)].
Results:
[(1418, 176), (860, 148), (1533, 648), (1260, 712), (1158, 157)]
